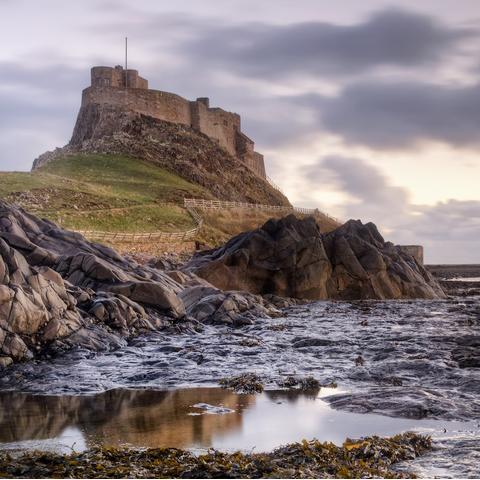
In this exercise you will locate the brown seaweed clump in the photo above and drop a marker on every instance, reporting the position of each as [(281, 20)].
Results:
[(305, 384), (244, 383), (370, 457)]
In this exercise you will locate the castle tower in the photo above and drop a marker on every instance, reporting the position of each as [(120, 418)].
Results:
[(117, 77)]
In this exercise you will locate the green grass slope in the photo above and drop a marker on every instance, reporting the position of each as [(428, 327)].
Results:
[(104, 192), (116, 193)]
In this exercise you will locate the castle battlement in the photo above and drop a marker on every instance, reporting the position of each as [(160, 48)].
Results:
[(117, 86), (117, 77)]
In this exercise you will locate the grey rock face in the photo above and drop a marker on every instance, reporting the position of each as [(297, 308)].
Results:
[(57, 290), (291, 258), (113, 129)]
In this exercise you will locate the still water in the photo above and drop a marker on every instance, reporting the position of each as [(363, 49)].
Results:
[(189, 418)]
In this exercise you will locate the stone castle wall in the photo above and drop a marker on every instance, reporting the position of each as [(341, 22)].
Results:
[(161, 105), (117, 77), (116, 86), (416, 251)]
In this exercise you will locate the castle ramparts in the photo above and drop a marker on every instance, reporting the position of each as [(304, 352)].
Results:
[(117, 86)]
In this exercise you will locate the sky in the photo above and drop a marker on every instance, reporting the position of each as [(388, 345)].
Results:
[(366, 110)]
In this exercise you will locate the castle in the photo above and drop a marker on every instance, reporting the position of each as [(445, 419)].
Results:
[(117, 86)]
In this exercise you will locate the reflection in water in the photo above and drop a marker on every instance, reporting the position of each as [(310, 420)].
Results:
[(148, 418), (136, 417)]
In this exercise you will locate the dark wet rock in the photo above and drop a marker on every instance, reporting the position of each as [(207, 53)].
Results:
[(467, 353), (57, 290), (408, 402), (291, 258), (311, 342), (282, 302), (211, 305)]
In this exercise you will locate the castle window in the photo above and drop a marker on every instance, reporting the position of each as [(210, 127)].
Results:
[(225, 123)]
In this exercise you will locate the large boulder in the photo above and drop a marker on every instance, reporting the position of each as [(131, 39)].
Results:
[(365, 266), (58, 290), (285, 257), (290, 257)]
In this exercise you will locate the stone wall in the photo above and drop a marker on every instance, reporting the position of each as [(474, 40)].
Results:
[(416, 251), (216, 123), (258, 164), (117, 77), (109, 88), (162, 105)]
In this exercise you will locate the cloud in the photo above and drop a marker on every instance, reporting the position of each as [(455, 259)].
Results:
[(53, 77), (390, 37), (401, 115), (369, 191), (450, 230), (38, 110), (362, 181), (452, 220)]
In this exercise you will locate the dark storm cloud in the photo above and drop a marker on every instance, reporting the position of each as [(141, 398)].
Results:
[(399, 115), (390, 37), (377, 114)]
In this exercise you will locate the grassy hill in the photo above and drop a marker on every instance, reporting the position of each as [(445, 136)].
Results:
[(118, 193), (104, 192)]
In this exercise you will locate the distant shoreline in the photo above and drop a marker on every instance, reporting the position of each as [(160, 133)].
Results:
[(448, 271)]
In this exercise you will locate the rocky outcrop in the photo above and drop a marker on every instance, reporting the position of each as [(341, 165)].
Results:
[(113, 129), (290, 257), (365, 266), (58, 290)]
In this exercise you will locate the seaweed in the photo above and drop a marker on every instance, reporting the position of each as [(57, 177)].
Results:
[(305, 384), (370, 457), (244, 383)]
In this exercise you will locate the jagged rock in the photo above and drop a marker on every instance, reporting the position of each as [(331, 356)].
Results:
[(210, 305), (5, 361), (57, 290), (285, 257), (365, 266), (291, 258)]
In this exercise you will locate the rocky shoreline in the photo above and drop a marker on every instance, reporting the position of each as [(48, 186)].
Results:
[(458, 280), (89, 320), (59, 291)]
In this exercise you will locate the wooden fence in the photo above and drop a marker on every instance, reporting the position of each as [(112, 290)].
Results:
[(223, 204), (191, 205), (148, 236)]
